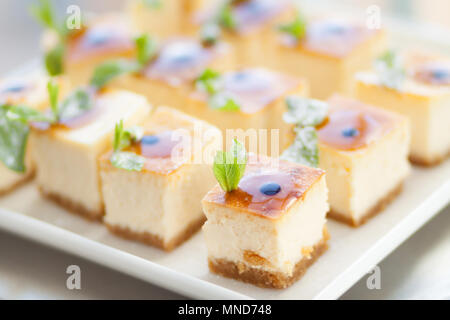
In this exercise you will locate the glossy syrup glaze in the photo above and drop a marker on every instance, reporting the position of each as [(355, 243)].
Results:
[(268, 191), (352, 125), (332, 37), (163, 151), (180, 61), (433, 73), (249, 15), (111, 35)]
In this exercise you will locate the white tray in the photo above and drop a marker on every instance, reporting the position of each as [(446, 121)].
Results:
[(352, 252)]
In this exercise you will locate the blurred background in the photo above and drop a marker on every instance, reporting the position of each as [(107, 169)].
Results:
[(417, 269), (20, 33)]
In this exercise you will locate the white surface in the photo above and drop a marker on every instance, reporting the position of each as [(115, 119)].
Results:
[(352, 251)]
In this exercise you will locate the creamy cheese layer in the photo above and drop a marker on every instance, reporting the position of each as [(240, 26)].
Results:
[(278, 245)]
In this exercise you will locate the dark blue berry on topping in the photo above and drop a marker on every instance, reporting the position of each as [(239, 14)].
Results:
[(149, 140), (97, 38), (270, 189), (15, 88), (350, 132), (441, 74)]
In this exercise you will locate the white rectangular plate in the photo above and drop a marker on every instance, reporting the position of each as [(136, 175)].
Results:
[(352, 252)]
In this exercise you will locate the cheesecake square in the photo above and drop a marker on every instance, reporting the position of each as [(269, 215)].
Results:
[(423, 97), (331, 52), (102, 38), (30, 91), (164, 18), (160, 205), (260, 95), (66, 154), (247, 25), (364, 151), (168, 79), (270, 229)]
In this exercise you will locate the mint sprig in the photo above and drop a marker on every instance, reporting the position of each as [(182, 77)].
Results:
[(297, 28), (45, 15), (390, 69), (208, 81), (110, 70), (13, 141), (229, 167), (146, 49), (306, 114), (123, 138), (153, 4)]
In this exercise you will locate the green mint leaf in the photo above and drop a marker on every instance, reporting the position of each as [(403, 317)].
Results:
[(226, 17), (210, 33), (305, 149), (229, 167), (76, 104), (296, 28), (208, 81), (54, 60), (53, 93), (153, 4), (223, 102), (146, 49), (26, 114), (13, 141), (43, 12), (390, 69), (128, 161), (124, 137), (109, 70), (305, 112)]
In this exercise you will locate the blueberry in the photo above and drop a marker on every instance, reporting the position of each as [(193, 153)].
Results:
[(270, 188), (97, 38), (149, 140), (15, 88), (441, 74), (350, 132)]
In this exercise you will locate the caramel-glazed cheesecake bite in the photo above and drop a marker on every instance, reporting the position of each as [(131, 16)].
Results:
[(101, 38), (364, 151), (417, 85), (168, 78), (251, 98), (152, 16), (31, 91), (269, 227), (246, 24), (66, 152), (327, 51), (156, 196)]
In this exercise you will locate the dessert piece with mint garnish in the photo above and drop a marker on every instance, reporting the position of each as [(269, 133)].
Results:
[(155, 177), (364, 152), (251, 98), (165, 18), (327, 51), (417, 85), (168, 78), (248, 25), (16, 165), (75, 47), (265, 219)]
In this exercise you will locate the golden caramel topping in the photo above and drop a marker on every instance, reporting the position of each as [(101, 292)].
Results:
[(332, 37), (268, 191), (351, 125), (433, 73), (163, 151), (254, 89), (181, 60), (110, 35)]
